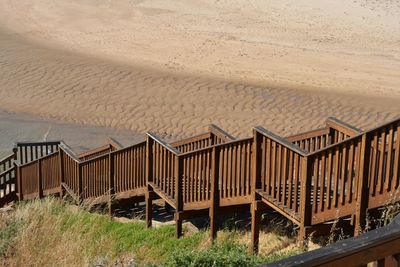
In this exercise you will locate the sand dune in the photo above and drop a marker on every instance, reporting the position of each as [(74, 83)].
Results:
[(164, 65)]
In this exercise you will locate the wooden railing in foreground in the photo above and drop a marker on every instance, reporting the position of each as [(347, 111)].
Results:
[(380, 246), (343, 179)]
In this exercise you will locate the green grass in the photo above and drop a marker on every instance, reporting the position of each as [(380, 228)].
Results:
[(45, 232)]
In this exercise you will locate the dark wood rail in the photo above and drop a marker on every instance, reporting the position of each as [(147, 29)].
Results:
[(380, 246), (215, 136)]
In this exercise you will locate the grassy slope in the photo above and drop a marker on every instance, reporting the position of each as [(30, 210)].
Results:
[(45, 232)]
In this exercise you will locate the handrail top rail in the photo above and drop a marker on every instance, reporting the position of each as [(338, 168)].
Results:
[(216, 145), (349, 127), (187, 140), (68, 151), (382, 125), (38, 159), (141, 143), (163, 143), (113, 142), (220, 132), (307, 134), (6, 172), (281, 140), (86, 161), (234, 141), (344, 247), (352, 138), (196, 151), (335, 144), (6, 158), (93, 151), (41, 143)]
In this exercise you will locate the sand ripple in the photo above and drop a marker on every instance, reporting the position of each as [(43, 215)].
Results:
[(74, 88)]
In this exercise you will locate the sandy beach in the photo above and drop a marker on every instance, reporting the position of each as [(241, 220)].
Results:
[(173, 67)]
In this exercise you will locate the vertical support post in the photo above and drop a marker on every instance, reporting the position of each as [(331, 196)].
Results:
[(362, 190), (214, 192), (110, 182), (61, 170), (255, 225), (39, 178), (14, 165), (255, 184), (80, 183), (149, 178), (331, 136), (305, 197), (178, 194), (19, 181)]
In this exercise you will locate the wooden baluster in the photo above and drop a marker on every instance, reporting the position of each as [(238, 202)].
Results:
[(215, 159)]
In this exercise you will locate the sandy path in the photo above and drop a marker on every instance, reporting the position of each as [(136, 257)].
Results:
[(64, 86)]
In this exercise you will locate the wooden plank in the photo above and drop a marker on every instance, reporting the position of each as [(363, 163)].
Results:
[(373, 170), (362, 191), (323, 193), (343, 175), (396, 163), (336, 178), (350, 177), (214, 192), (389, 160), (357, 251)]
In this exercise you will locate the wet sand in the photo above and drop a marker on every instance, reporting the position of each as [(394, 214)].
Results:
[(18, 127)]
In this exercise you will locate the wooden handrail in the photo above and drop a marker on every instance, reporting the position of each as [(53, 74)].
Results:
[(64, 147), (308, 134), (217, 145), (342, 126), (163, 143), (94, 158), (376, 245), (321, 151), (114, 143), (220, 133), (281, 141), (128, 147), (36, 143), (190, 139), (93, 151), (382, 125), (7, 158)]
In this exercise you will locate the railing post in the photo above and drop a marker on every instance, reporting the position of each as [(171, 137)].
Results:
[(178, 194), (80, 183), (39, 178), (18, 180), (149, 178), (111, 182), (255, 184), (214, 192), (305, 197), (16, 188), (61, 171), (362, 190)]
